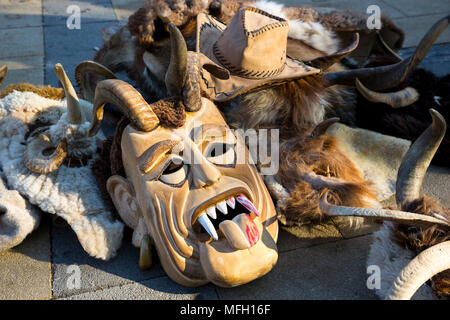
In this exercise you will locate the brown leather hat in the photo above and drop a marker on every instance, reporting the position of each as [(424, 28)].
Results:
[(252, 48)]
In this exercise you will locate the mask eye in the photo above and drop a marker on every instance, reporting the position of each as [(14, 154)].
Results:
[(221, 154), (175, 174)]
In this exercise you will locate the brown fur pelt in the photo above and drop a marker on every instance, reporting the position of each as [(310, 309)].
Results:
[(345, 20), (310, 166), (298, 105), (419, 239), (147, 24), (43, 91)]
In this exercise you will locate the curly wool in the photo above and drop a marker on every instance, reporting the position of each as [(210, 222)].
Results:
[(71, 193), (17, 217)]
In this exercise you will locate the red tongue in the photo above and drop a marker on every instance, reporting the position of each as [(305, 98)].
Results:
[(241, 232), (252, 232)]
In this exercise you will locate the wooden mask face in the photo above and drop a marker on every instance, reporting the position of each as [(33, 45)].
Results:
[(199, 199)]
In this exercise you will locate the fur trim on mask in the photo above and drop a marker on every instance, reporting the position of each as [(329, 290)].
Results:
[(17, 217), (69, 192)]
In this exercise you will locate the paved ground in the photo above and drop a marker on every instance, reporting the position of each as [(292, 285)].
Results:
[(324, 263)]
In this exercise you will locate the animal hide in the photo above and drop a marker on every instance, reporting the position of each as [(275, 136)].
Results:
[(17, 217), (80, 203), (391, 258), (410, 121)]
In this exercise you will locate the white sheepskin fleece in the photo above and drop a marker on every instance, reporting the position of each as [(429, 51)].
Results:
[(17, 217), (391, 259), (71, 193), (312, 33)]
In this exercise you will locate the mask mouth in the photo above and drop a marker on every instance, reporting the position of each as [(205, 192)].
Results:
[(213, 219)]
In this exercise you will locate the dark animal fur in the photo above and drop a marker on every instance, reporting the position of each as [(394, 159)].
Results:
[(409, 122)]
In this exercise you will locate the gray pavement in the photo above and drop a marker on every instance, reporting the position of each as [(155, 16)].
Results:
[(325, 262)]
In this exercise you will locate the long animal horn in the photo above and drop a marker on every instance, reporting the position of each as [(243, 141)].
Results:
[(177, 71), (3, 71), (399, 99), (379, 214), (36, 159), (386, 77), (128, 100), (74, 114), (388, 49), (423, 267), (90, 67), (325, 62), (416, 161)]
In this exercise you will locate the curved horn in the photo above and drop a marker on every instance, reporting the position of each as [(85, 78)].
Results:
[(177, 71), (73, 105), (386, 77), (377, 213), (35, 159), (423, 267), (3, 71), (397, 99), (81, 72), (128, 100), (416, 161), (322, 127), (325, 62), (388, 49)]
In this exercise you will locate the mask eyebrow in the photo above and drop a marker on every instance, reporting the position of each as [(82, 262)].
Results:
[(155, 154), (212, 130)]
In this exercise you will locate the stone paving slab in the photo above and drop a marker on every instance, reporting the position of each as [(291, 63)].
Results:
[(124, 8), (70, 47), (15, 14), (155, 289), (24, 69), (95, 274), (420, 7), (55, 11), (21, 42), (357, 5), (437, 184), (295, 237), (437, 59), (334, 270), (416, 27), (25, 270)]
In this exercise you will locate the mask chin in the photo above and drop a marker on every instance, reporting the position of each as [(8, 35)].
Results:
[(225, 266)]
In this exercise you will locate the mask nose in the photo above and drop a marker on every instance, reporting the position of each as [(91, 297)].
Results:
[(204, 173)]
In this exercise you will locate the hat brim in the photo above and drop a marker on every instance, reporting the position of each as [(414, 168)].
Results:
[(208, 31)]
